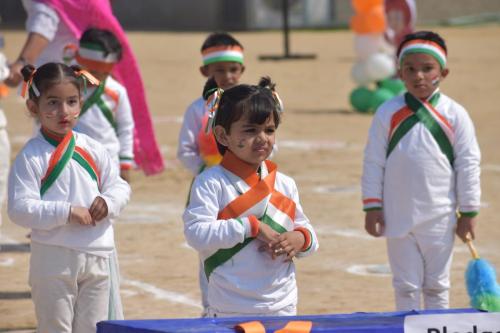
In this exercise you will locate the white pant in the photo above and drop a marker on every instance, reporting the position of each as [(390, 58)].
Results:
[(420, 264), (70, 289)]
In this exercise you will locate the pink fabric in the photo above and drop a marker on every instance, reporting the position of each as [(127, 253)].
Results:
[(82, 14)]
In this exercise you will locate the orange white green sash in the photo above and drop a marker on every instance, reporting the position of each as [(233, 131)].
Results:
[(424, 112), (258, 198), (66, 150), (96, 98)]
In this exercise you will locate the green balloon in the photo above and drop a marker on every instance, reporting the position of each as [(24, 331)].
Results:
[(360, 99), (379, 96), (395, 85)]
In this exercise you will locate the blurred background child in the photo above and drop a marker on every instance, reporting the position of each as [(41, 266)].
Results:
[(106, 113), (223, 61)]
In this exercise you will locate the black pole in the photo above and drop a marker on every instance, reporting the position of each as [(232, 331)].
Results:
[(286, 28), (286, 39)]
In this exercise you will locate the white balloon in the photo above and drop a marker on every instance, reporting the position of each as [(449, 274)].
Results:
[(380, 66), (359, 73), (367, 44)]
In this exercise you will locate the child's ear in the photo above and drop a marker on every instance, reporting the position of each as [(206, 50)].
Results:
[(32, 107), (220, 135), (445, 72), (204, 71)]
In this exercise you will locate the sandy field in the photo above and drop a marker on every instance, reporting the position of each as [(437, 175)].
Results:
[(320, 145)]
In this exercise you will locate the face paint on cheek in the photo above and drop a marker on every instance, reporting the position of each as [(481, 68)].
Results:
[(241, 144), (435, 81)]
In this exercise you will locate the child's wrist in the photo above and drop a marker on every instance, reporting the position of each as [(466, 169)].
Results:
[(254, 226), (307, 238)]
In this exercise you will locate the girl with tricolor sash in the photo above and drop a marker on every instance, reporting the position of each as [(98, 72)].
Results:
[(65, 187), (244, 217), (421, 176)]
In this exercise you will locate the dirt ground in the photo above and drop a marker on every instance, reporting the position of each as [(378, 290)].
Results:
[(320, 145)]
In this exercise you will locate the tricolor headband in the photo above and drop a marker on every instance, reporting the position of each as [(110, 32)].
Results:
[(94, 57), (222, 53), (423, 46)]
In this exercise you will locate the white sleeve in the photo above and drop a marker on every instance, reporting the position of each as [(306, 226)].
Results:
[(42, 19), (125, 129), (302, 221), (114, 190), (466, 164), (4, 67), (188, 151), (25, 205), (203, 231), (374, 161)]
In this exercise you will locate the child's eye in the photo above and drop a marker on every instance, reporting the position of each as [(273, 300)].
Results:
[(52, 102), (73, 102), (270, 130), (250, 130)]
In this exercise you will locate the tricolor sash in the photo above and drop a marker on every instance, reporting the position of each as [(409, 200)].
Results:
[(66, 150), (416, 111), (96, 98), (258, 198)]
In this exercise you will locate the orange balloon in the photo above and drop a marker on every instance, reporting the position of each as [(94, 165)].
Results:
[(369, 23), (364, 6)]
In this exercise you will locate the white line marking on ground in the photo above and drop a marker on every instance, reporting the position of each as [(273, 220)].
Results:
[(163, 294), (312, 145), (327, 189), (7, 262), (490, 167), (168, 119), (348, 233), (370, 270)]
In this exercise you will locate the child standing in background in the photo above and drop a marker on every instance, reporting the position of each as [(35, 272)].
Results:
[(66, 189), (106, 114), (222, 61), (421, 166), (223, 66), (244, 217)]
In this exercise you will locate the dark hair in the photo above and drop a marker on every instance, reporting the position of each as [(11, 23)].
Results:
[(218, 39), (425, 35), (209, 88), (104, 38), (257, 102), (50, 74)]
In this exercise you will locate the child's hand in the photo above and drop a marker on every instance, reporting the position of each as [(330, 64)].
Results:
[(125, 175), (374, 222), (268, 236), (289, 243), (99, 209), (465, 227), (80, 215)]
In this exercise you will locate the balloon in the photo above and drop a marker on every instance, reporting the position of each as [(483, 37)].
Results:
[(378, 97), (363, 6), (396, 86), (367, 44), (369, 22), (359, 73), (380, 66), (361, 98)]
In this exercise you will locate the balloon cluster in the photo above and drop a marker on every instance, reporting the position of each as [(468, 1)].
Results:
[(375, 58)]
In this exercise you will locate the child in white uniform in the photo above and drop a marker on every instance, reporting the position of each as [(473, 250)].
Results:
[(244, 218), (65, 187), (106, 114), (222, 61), (421, 166)]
